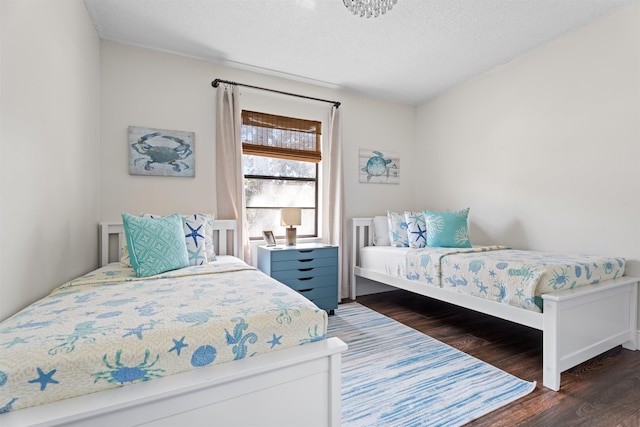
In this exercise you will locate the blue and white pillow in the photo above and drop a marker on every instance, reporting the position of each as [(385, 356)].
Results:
[(397, 229), (192, 230), (155, 245), (448, 229), (416, 229), (195, 235)]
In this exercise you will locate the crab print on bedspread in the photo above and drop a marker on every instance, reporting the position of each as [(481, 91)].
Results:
[(110, 328)]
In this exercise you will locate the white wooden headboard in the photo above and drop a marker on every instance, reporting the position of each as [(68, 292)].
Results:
[(112, 233)]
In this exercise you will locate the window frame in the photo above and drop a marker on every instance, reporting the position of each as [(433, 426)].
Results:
[(287, 154)]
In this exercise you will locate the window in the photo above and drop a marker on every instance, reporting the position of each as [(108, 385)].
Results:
[(280, 156)]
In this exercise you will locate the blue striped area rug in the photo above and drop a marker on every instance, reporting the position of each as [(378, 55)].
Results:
[(393, 375)]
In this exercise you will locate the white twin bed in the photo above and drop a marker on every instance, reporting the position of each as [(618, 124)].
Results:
[(214, 344), (584, 305)]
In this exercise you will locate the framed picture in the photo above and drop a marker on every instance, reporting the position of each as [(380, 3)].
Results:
[(268, 238), (161, 152), (376, 167)]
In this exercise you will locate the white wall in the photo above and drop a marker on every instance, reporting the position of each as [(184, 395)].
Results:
[(147, 88), (545, 150), (49, 140)]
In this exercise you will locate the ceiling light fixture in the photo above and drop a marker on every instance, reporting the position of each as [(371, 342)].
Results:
[(369, 8)]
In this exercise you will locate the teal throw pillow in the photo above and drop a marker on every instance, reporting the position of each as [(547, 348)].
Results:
[(447, 229), (155, 245)]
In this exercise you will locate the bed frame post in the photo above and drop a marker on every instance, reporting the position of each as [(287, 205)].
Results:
[(550, 357), (361, 235), (108, 229), (335, 390)]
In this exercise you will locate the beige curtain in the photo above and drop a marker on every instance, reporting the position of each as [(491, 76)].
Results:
[(336, 201), (229, 173)]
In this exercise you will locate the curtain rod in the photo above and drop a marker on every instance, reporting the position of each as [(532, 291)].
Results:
[(217, 82)]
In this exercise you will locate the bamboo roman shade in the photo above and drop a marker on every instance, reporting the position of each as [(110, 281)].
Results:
[(282, 137)]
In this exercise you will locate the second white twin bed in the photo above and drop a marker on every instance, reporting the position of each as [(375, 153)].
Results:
[(583, 304)]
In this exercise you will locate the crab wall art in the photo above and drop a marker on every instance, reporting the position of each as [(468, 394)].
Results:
[(379, 167), (161, 152)]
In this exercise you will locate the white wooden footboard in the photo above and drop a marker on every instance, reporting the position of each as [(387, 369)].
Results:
[(584, 322), (577, 324), (294, 387)]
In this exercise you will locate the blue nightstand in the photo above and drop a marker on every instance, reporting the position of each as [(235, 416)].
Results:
[(311, 269)]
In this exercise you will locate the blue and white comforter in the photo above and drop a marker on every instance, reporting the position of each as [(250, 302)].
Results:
[(509, 276), (110, 328)]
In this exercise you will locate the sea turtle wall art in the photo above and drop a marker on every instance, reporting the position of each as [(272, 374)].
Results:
[(381, 167), (161, 152)]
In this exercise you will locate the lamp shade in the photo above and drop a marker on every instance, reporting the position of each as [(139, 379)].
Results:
[(290, 216)]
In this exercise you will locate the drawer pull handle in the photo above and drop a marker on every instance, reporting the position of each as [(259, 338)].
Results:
[(305, 250), (305, 260), (305, 278), (305, 290), (305, 269)]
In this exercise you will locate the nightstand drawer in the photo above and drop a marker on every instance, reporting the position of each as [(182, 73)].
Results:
[(303, 263), (295, 254), (297, 283), (306, 273)]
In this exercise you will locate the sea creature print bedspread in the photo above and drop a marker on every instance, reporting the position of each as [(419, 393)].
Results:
[(509, 276), (109, 329)]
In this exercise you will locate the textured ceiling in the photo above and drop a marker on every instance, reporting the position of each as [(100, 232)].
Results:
[(412, 53)]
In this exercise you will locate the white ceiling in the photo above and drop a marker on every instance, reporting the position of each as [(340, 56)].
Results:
[(416, 50)]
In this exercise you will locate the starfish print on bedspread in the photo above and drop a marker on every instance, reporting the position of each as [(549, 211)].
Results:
[(44, 379), (137, 331), (178, 345)]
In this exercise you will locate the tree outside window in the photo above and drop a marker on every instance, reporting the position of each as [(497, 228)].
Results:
[(280, 157)]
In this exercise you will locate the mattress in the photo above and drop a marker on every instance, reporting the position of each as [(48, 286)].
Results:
[(513, 277), (109, 328), (388, 260)]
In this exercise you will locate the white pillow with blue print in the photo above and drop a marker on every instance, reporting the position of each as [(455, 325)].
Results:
[(397, 229), (416, 229), (448, 229)]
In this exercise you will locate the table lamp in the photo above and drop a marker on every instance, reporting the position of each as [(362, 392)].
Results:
[(290, 217)]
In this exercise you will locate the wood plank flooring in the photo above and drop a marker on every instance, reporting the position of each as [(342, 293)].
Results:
[(604, 391)]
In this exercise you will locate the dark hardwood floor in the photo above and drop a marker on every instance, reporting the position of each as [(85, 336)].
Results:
[(604, 391)]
